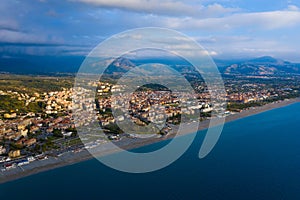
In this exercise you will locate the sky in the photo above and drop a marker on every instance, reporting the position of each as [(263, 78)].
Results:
[(228, 29)]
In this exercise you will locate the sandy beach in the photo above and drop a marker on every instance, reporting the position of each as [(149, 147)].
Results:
[(69, 158)]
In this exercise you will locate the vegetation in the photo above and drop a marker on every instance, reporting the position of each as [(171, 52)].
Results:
[(57, 133), (31, 84), (113, 128), (236, 107), (11, 104)]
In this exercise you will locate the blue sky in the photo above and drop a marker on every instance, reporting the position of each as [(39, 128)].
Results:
[(226, 28)]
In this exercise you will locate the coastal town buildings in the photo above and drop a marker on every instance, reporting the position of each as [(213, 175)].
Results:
[(49, 128)]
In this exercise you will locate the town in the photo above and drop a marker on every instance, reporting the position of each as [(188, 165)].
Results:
[(36, 125)]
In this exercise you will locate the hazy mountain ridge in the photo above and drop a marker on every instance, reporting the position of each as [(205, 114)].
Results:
[(70, 64), (119, 66), (262, 66)]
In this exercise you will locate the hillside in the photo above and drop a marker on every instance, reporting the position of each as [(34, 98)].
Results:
[(262, 66)]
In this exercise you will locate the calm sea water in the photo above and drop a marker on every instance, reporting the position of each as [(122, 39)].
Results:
[(256, 158)]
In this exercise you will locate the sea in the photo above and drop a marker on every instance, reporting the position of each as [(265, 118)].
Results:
[(256, 157)]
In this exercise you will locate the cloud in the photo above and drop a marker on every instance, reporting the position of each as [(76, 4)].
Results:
[(162, 7), (293, 8), (264, 20), (8, 24), (241, 46), (10, 36), (54, 27), (23, 43)]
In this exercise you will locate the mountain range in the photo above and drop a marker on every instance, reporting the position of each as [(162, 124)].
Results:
[(265, 65), (261, 66)]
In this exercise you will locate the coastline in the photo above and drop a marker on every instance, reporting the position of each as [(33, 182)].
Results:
[(71, 158)]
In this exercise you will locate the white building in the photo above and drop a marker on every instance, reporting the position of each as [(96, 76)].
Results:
[(2, 150)]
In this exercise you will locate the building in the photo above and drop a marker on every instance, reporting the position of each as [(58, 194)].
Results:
[(14, 154), (24, 132), (2, 150), (10, 116)]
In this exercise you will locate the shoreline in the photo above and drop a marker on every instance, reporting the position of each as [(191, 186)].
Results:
[(70, 158)]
